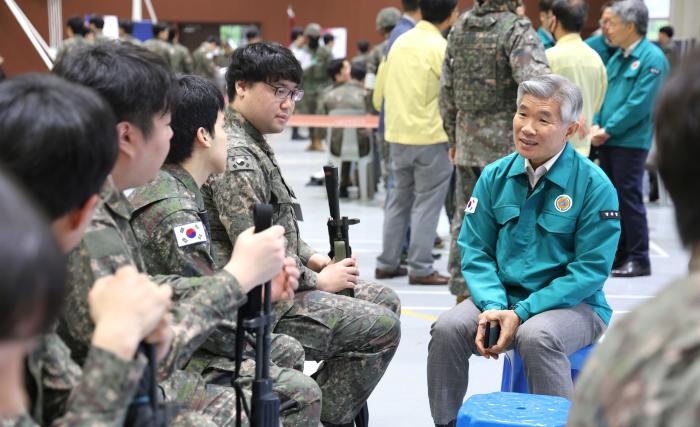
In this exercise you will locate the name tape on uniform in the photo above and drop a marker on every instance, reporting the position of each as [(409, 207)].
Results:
[(609, 214), (188, 234)]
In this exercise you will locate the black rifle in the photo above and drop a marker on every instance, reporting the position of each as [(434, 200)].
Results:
[(257, 318), (337, 226), (145, 409), (340, 246)]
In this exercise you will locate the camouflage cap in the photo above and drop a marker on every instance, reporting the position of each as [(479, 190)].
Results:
[(387, 18), (313, 30)]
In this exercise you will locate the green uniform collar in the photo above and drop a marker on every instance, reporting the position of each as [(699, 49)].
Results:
[(233, 118), (180, 174), (559, 173), (114, 199)]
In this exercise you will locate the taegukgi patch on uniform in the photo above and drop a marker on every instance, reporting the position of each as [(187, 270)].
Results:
[(188, 234), (471, 205)]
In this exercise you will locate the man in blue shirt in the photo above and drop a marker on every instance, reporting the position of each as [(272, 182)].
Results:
[(600, 42), (623, 127), (544, 32), (537, 244)]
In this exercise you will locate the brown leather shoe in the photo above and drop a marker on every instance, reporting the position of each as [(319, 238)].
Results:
[(432, 279), (389, 274)]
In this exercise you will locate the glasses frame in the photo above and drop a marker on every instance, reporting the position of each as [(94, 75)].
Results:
[(282, 92)]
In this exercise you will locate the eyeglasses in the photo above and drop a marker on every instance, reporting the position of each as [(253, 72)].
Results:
[(282, 92)]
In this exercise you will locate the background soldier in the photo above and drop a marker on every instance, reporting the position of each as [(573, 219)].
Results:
[(159, 45), (315, 79), (347, 92), (203, 59), (126, 29), (386, 21), (182, 60), (75, 29), (477, 101)]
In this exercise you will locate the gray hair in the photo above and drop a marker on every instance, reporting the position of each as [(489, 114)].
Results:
[(558, 88), (634, 11)]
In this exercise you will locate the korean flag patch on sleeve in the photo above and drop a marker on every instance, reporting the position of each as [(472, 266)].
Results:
[(188, 234), (471, 205)]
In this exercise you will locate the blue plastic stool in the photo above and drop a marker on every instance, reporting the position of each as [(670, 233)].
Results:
[(513, 409), (514, 379)]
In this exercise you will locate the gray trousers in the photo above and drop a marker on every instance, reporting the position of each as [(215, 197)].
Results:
[(421, 179), (543, 342)]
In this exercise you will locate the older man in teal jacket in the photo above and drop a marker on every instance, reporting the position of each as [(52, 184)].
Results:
[(537, 244), (623, 127)]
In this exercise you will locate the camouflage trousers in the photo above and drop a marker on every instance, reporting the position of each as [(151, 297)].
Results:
[(354, 338), (206, 387), (465, 179)]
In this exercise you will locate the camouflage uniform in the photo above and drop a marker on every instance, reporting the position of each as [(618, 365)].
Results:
[(128, 38), (182, 60), (355, 338), (202, 305), (360, 60), (490, 50), (375, 57), (316, 79), (202, 62), (160, 48), (353, 95), (68, 44), (173, 200), (645, 371)]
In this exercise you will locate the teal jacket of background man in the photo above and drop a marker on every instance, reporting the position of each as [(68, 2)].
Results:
[(633, 83), (552, 249)]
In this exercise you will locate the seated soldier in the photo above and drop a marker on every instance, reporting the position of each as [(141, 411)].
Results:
[(537, 244), (142, 90), (354, 337), (59, 140), (167, 207), (645, 371), (349, 92)]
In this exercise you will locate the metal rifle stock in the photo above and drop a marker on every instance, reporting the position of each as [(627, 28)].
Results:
[(256, 317), (337, 225)]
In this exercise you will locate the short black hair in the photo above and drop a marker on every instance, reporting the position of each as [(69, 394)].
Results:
[(296, 32), (334, 67), (136, 82), (571, 14), (363, 46), (77, 25), (677, 122), (33, 280), (199, 105), (251, 33), (262, 62), (158, 28), (126, 25), (328, 37), (409, 5), (545, 5), (358, 72), (59, 139), (436, 11), (668, 30), (172, 32), (98, 21)]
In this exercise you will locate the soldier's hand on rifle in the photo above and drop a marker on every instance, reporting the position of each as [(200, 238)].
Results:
[(125, 308), (337, 276), (162, 336), (286, 282), (318, 262), (257, 257)]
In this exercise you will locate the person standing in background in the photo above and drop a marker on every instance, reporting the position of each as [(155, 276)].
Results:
[(477, 101), (578, 62), (623, 127)]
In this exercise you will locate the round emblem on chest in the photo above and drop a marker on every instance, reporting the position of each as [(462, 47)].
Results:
[(563, 203)]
